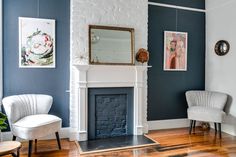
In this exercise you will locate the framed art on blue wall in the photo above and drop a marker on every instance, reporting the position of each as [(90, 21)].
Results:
[(175, 51), (36, 43)]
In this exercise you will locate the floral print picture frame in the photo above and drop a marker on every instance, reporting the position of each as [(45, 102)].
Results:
[(37, 43)]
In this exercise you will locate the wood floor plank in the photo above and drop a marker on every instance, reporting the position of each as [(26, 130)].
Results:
[(173, 143)]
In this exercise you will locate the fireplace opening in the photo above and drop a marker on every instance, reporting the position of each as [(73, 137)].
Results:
[(110, 112)]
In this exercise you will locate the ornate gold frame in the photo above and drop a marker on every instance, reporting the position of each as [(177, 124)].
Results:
[(131, 30)]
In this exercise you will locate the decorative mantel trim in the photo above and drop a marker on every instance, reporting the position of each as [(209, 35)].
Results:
[(92, 76)]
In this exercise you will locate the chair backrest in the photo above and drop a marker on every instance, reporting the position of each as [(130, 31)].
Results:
[(206, 98), (19, 106)]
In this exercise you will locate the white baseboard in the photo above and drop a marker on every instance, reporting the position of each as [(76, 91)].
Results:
[(6, 136), (152, 125), (181, 123), (64, 133), (168, 124), (229, 129), (226, 128)]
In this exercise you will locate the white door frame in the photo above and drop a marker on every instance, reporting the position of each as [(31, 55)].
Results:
[(1, 50)]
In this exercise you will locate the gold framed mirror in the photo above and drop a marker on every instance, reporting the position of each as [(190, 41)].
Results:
[(111, 45)]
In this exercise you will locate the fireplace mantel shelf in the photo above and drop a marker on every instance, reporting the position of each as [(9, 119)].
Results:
[(86, 67), (96, 76)]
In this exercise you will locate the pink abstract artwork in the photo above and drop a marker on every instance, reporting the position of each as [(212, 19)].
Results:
[(175, 51)]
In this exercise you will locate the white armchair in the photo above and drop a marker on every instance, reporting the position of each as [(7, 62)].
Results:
[(29, 119), (206, 106)]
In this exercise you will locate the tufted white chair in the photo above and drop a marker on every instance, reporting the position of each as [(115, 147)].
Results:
[(29, 119), (206, 106)]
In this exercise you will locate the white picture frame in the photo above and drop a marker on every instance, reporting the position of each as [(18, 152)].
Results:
[(37, 43), (175, 51)]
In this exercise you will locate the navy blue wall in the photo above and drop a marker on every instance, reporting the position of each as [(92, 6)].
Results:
[(199, 4), (166, 89), (46, 81)]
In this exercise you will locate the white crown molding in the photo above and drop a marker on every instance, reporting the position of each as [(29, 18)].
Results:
[(176, 7)]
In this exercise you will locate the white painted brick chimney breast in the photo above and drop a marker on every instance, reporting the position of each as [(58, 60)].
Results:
[(121, 13)]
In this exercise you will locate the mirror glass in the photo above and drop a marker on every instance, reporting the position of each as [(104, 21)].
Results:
[(111, 45), (222, 47)]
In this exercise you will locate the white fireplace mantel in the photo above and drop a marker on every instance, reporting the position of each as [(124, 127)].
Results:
[(95, 76)]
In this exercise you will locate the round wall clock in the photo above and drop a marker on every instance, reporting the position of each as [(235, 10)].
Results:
[(222, 47)]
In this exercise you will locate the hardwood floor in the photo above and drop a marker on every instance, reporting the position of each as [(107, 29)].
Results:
[(173, 143)]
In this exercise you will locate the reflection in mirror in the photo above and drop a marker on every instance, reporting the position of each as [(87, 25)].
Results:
[(110, 45), (223, 47)]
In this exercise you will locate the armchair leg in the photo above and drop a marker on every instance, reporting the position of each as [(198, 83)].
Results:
[(194, 125), (35, 145), (219, 125), (58, 140), (191, 125), (13, 138), (30, 148), (215, 127)]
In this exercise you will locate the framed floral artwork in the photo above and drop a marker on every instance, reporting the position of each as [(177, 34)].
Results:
[(36, 43), (175, 51)]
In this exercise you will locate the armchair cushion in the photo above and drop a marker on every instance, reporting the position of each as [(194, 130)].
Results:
[(204, 113), (36, 126)]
